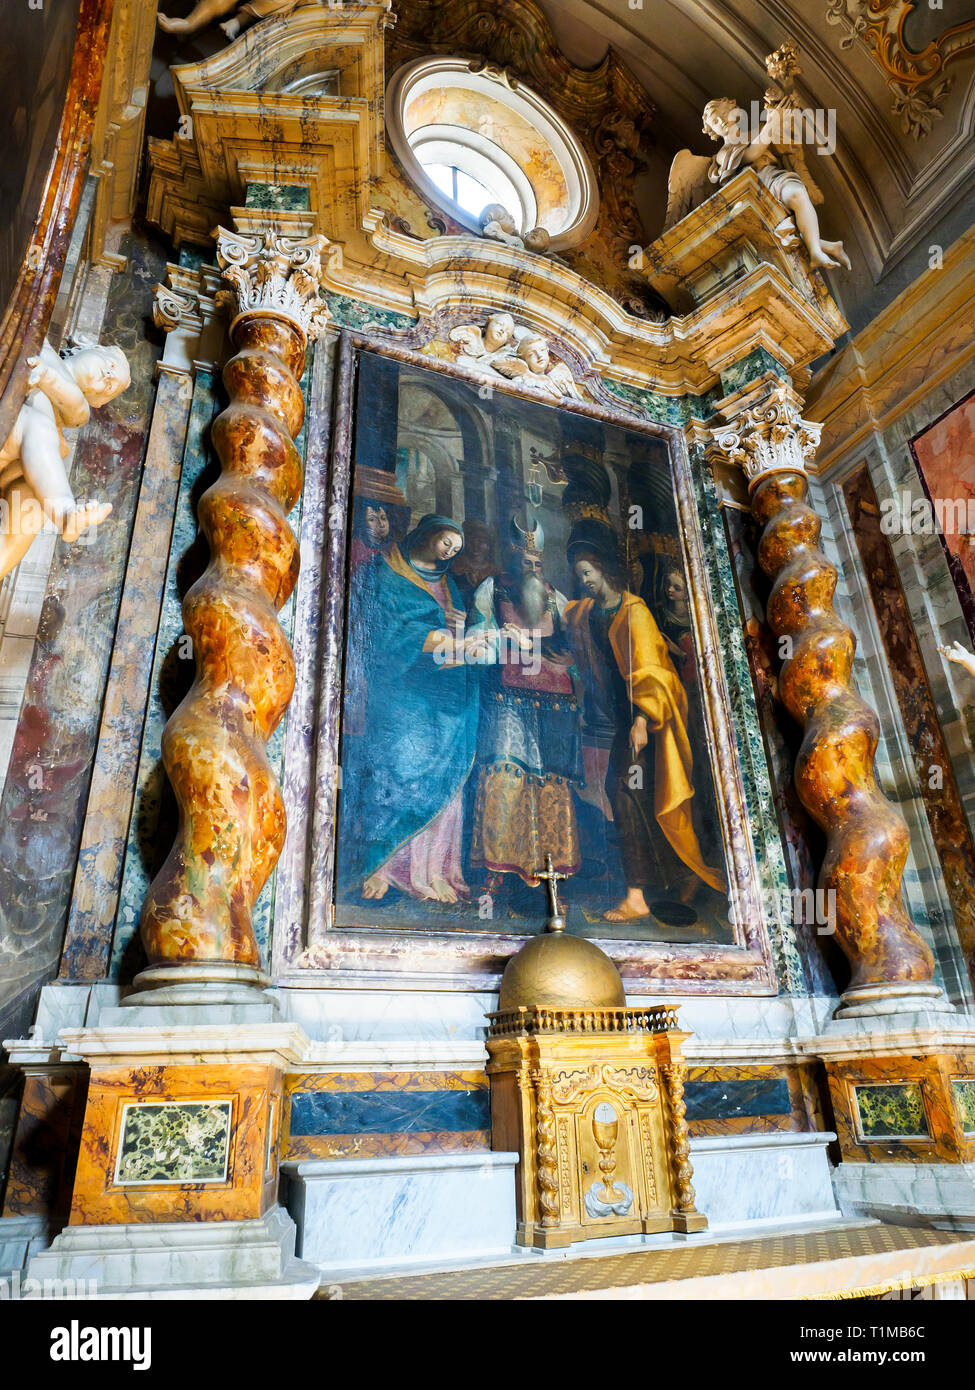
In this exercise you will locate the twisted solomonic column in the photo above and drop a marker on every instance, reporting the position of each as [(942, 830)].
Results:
[(867, 838), (196, 920)]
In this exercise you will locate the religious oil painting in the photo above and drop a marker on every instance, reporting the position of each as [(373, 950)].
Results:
[(521, 673), (945, 456)]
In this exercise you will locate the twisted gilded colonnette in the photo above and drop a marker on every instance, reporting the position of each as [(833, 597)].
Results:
[(232, 817), (867, 838)]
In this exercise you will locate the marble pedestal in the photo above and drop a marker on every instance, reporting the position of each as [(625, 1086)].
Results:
[(763, 1179), (20, 1238), (180, 1259), (938, 1194), (371, 1214)]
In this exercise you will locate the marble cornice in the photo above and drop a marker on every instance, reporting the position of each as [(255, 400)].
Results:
[(734, 288), (167, 1044), (919, 341), (923, 1040)]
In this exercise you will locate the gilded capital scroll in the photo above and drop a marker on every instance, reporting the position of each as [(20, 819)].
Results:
[(196, 920), (867, 838)]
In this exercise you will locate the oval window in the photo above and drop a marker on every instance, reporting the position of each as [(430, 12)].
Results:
[(467, 138)]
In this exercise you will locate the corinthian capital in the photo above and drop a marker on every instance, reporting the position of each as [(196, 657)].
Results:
[(273, 274), (765, 435)]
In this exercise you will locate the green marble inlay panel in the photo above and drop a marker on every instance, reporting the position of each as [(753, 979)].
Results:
[(174, 1141), (345, 312), (892, 1112), (756, 364), (964, 1093), (278, 197)]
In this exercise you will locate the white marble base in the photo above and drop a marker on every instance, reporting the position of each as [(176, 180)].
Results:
[(763, 1179), (181, 1259), (908, 1192), (20, 1238), (375, 1214)]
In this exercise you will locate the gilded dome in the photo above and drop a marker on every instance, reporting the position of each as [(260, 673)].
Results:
[(556, 971)]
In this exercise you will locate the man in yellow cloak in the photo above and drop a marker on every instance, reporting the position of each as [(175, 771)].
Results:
[(623, 660)]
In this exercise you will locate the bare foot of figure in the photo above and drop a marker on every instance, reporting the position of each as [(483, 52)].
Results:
[(374, 887), (88, 514), (634, 905), (172, 26), (442, 891), (830, 255)]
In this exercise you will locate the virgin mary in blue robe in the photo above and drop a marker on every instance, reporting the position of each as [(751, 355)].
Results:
[(402, 812)]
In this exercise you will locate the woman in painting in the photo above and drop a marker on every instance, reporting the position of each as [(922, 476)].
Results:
[(404, 781)]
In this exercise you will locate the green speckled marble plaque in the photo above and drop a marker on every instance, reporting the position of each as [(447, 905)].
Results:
[(278, 197), (174, 1141), (891, 1112), (964, 1093)]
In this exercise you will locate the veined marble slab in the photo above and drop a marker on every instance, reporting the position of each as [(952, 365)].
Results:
[(181, 1259), (374, 1214), (763, 1179), (898, 1192)]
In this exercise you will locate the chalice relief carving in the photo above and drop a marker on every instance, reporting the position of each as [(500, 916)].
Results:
[(607, 1197)]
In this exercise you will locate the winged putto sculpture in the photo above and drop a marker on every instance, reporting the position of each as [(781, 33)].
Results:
[(517, 354), (772, 141)]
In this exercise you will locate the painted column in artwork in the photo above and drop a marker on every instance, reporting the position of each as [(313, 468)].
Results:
[(867, 838), (196, 921)]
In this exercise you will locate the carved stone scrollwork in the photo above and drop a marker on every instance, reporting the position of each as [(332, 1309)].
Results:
[(275, 275), (171, 308), (771, 437)]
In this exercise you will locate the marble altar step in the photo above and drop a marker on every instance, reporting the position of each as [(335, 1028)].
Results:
[(853, 1260)]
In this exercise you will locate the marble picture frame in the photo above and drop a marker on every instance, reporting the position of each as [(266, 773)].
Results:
[(324, 954)]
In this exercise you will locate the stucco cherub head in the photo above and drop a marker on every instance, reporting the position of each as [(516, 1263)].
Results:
[(101, 373), (499, 214), (537, 240), (498, 332), (533, 350)]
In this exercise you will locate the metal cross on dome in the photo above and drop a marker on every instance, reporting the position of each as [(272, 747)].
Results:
[(552, 877)]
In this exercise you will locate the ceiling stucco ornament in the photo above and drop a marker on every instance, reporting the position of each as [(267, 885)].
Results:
[(273, 274), (916, 79), (767, 437)]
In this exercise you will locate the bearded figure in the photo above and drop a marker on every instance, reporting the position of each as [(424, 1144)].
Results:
[(529, 747)]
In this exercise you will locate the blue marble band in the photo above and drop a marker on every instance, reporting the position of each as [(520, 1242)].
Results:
[(386, 1112), (725, 1100)]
